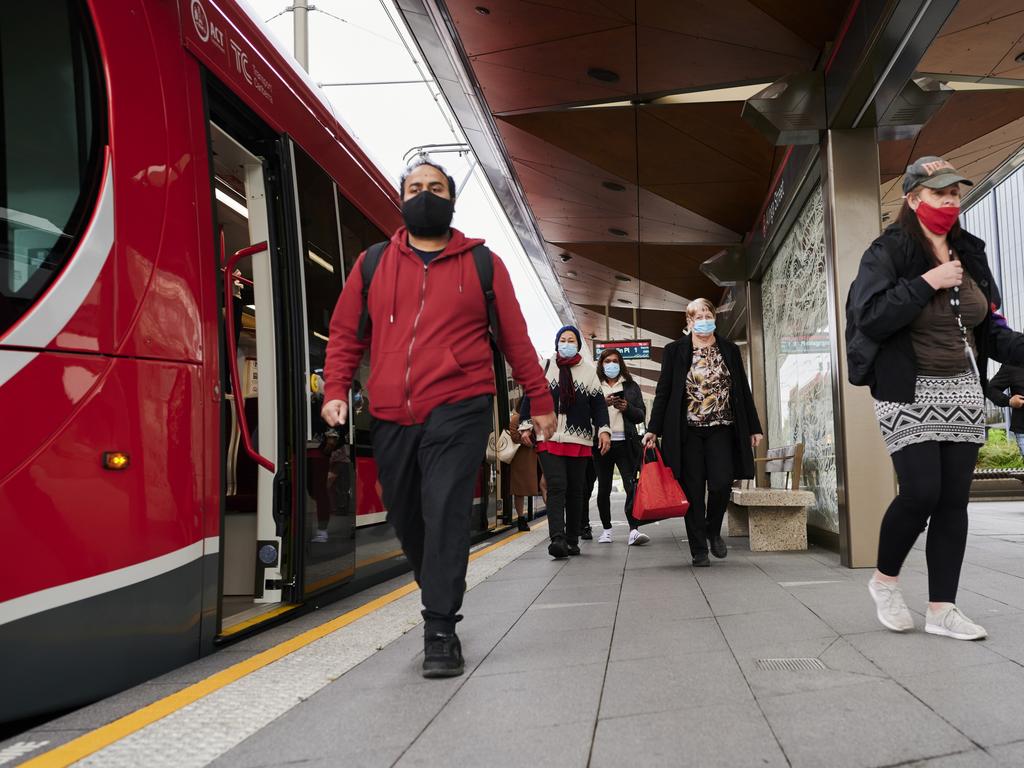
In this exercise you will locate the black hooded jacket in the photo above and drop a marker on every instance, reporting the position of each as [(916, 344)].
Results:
[(888, 294)]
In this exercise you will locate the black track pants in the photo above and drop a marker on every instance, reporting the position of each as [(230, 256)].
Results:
[(619, 455), (934, 488), (566, 478), (428, 472)]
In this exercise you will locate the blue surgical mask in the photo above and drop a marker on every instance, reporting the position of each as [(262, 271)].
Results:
[(611, 370), (704, 326), (567, 349)]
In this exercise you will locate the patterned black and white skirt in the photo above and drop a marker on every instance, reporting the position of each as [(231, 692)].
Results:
[(945, 408)]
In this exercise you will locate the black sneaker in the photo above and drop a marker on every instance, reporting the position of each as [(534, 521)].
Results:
[(442, 655), (522, 524), (573, 549), (558, 548), (701, 561), (587, 534), (717, 545)]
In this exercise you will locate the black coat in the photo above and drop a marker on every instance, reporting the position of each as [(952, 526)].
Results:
[(1011, 378), (668, 414), (635, 413), (888, 294)]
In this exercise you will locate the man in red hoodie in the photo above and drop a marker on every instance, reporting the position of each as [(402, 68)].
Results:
[(430, 390)]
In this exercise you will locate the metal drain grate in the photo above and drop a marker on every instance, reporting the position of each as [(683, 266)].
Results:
[(791, 665)]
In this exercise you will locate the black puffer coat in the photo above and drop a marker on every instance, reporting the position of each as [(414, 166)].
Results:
[(668, 414), (888, 294)]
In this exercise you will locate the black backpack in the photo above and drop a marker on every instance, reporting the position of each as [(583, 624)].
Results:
[(484, 267)]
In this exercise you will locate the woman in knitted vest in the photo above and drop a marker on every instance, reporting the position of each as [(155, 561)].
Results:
[(582, 411)]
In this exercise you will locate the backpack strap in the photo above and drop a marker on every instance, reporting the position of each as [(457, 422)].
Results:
[(485, 270), (370, 261)]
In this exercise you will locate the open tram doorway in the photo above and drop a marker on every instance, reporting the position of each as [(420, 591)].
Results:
[(254, 549)]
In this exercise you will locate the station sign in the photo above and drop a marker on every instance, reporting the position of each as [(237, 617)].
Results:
[(630, 349)]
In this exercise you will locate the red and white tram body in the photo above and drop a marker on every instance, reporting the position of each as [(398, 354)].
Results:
[(178, 206)]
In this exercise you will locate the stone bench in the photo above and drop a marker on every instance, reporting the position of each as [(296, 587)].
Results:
[(775, 519)]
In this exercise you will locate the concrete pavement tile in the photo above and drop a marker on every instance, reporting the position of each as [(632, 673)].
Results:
[(1009, 755), (986, 702), (204, 667), (552, 616), (521, 651), (594, 593), (696, 680), (846, 607), (755, 630), (727, 600), (641, 641), (500, 596), (1006, 636), (114, 707), (845, 666), (652, 609), (340, 722), (728, 736), (457, 746), (873, 724), (972, 758), (914, 653)]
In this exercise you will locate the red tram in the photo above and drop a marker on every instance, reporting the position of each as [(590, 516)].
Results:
[(178, 210)]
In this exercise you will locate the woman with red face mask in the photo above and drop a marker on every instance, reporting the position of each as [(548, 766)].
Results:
[(921, 328)]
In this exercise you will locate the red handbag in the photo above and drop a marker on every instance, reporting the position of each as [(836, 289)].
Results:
[(658, 495)]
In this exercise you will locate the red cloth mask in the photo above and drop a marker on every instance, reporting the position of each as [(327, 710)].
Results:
[(939, 220)]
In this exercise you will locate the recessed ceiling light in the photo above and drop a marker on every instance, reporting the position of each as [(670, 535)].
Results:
[(617, 232), (603, 75), (625, 301), (614, 186), (565, 256), (570, 273), (622, 278), (1019, 58), (483, 10)]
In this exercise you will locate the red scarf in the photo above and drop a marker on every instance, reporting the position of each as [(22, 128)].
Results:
[(566, 387)]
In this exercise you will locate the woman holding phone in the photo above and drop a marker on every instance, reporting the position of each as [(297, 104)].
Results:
[(626, 409)]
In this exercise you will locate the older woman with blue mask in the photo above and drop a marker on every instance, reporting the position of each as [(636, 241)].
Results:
[(705, 415), (582, 414)]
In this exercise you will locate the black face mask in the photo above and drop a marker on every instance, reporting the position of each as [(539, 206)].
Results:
[(427, 215)]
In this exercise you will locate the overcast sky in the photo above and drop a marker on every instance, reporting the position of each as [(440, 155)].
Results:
[(357, 41)]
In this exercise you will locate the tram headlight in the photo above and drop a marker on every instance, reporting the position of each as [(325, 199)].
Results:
[(115, 460)]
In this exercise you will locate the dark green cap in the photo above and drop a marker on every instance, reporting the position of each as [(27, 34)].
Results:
[(932, 172)]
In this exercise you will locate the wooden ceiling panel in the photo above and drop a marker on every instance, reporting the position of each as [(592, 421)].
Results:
[(985, 50), (732, 204), (737, 23), (973, 13), (555, 73), (816, 23), (513, 23)]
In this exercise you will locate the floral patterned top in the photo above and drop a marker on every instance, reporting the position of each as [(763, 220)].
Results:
[(707, 389)]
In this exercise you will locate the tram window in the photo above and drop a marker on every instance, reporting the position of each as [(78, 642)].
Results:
[(52, 133)]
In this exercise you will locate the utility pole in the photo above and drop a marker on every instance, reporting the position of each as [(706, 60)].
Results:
[(300, 12)]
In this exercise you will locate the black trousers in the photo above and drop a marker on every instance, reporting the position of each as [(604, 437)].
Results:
[(707, 468), (566, 478), (428, 473), (934, 488), (619, 455)]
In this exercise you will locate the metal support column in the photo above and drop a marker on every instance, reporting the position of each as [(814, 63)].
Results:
[(866, 481), (300, 13)]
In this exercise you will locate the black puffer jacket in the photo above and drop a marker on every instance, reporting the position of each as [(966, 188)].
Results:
[(888, 294)]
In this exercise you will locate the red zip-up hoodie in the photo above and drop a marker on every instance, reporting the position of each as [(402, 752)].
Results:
[(428, 341)]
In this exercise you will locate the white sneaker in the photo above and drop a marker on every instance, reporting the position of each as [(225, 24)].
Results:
[(949, 622), (892, 610), (638, 539), (606, 537), (320, 537)]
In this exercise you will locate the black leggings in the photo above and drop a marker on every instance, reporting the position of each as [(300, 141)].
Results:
[(707, 467), (619, 455), (934, 484)]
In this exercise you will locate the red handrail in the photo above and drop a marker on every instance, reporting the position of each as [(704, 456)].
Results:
[(229, 323)]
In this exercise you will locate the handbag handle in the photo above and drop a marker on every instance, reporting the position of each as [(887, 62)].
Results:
[(657, 453)]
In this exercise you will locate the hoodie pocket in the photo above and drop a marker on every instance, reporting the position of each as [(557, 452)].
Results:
[(436, 372), (386, 387)]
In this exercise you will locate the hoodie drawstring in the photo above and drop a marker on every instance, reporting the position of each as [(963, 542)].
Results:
[(397, 258), (462, 266)]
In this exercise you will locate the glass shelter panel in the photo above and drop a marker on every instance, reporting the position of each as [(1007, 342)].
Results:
[(798, 341)]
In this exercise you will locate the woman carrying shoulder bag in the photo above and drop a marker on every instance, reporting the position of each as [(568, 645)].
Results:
[(705, 415), (921, 317), (581, 413), (626, 409)]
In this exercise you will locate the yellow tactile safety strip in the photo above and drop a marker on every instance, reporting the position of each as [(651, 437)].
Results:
[(91, 742)]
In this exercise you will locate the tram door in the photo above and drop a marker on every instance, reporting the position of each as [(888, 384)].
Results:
[(252, 571)]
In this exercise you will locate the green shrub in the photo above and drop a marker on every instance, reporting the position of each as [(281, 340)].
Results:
[(999, 453)]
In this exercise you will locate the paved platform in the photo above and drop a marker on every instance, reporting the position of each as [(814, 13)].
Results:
[(622, 656)]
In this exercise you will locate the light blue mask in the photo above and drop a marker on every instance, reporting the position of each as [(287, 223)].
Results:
[(611, 370), (567, 349), (704, 326)]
